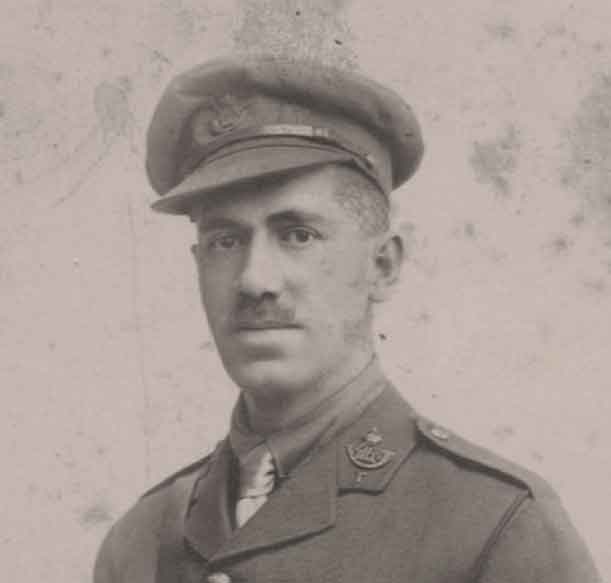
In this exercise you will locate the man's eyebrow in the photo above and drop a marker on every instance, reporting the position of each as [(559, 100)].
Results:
[(293, 215), (296, 216), (212, 223)]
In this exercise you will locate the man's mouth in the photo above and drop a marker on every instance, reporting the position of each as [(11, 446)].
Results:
[(254, 325)]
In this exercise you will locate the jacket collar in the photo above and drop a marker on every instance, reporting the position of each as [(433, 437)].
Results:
[(292, 443), (393, 424), (304, 503)]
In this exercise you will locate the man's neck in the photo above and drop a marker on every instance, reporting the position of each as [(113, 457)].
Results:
[(270, 413)]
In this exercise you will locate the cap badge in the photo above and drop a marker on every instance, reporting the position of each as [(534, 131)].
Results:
[(229, 115), (218, 116), (367, 454)]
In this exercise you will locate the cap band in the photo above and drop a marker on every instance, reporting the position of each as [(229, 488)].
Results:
[(325, 137)]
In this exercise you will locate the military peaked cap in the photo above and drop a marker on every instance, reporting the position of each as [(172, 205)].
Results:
[(229, 121)]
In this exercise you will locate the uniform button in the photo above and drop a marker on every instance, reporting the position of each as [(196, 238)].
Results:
[(218, 578), (440, 433)]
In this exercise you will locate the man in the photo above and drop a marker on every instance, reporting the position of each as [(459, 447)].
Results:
[(327, 474)]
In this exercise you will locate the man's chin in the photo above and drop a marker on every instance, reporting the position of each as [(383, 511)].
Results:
[(275, 375)]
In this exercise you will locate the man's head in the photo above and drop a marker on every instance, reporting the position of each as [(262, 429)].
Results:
[(289, 269), (286, 167)]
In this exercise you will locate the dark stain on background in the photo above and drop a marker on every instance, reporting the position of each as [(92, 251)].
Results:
[(588, 171), (597, 285), (407, 230), (561, 244), (593, 439), (293, 28), (111, 104), (557, 36), (7, 72), (469, 230), (114, 120), (503, 30), (424, 317), (466, 230), (577, 220), (545, 330), (208, 345), (97, 513), (503, 432), (494, 161), (190, 22)]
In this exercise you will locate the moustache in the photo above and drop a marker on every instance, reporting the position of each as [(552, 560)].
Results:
[(264, 314)]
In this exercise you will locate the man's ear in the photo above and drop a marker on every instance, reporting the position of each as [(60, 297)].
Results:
[(387, 266)]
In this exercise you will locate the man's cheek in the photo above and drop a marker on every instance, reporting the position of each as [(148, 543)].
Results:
[(326, 266), (218, 303), (353, 333)]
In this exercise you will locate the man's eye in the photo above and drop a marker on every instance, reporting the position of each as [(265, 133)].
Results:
[(224, 242), (298, 236)]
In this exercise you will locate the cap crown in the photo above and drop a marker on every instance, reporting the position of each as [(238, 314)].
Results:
[(226, 121)]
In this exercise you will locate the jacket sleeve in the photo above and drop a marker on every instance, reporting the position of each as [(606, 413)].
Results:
[(538, 544)]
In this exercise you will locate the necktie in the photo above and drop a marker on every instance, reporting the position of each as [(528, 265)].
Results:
[(257, 477)]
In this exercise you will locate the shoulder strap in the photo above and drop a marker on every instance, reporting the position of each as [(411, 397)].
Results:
[(480, 458)]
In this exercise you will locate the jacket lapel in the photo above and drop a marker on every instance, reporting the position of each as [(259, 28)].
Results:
[(302, 505), (208, 520)]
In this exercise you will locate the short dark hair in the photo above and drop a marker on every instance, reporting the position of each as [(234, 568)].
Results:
[(363, 199)]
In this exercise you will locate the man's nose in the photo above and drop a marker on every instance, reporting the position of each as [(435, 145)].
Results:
[(261, 272)]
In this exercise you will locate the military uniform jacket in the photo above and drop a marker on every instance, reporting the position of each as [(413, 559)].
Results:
[(437, 510)]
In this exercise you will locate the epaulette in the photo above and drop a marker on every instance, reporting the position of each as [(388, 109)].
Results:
[(191, 468), (480, 459)]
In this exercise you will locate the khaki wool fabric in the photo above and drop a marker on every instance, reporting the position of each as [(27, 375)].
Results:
[(442, 510)]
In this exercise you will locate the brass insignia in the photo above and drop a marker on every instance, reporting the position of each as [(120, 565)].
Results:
[(230, 114), (367, 453), (218, 116)]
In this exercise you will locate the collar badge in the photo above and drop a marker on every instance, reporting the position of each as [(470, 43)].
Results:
[(367, 453)]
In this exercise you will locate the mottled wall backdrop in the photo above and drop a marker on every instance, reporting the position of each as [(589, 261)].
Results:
[(501, 328)]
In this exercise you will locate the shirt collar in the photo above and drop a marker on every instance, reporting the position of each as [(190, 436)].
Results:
[(291, 445)]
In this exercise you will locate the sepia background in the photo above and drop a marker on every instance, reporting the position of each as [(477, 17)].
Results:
[(501, 328)]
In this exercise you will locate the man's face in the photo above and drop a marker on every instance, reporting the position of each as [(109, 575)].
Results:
[(286, 276)]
